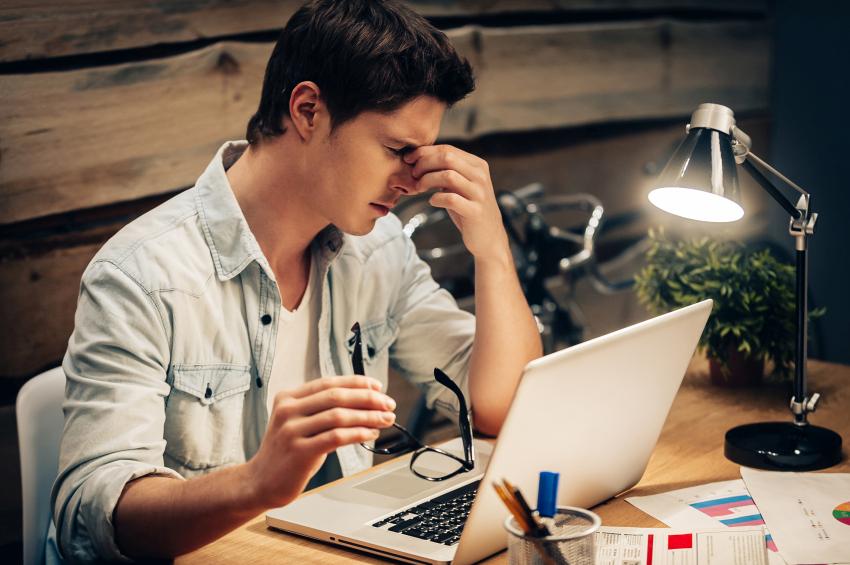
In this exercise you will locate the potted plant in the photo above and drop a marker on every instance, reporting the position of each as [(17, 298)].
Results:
[(753, 319)]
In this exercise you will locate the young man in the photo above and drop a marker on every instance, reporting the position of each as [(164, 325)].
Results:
[(212, 338)]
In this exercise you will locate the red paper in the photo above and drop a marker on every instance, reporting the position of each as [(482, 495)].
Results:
[(680, 541)]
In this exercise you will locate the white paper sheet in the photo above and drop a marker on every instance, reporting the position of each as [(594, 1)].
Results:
[(726, 504), (808, 513), (663, 546)]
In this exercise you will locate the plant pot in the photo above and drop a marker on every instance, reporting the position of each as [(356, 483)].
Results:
[(742, 370)]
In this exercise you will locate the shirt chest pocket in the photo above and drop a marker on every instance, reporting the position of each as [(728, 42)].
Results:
[(204, 418)]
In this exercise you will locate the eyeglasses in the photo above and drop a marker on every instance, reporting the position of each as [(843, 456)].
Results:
[(429, 463)]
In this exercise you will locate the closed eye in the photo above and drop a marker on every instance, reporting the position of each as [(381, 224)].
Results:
[(401, 152)]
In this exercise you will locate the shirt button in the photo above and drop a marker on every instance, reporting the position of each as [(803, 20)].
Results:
[(208, 392), (266, 319), (259, 382)]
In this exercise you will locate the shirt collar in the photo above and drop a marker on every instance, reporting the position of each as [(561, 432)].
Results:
[(231, 242)]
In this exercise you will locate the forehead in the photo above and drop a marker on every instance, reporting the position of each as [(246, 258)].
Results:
[(415, 123)]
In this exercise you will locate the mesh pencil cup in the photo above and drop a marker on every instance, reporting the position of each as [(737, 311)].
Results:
[(572, 540)]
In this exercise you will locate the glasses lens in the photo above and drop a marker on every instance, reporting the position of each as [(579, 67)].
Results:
[(431, 464), (392, 441)]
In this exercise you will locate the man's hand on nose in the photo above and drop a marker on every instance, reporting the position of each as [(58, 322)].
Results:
[(464, 189)]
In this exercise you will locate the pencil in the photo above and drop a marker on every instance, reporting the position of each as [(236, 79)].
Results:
[(526, 527), (551, 553), (540, 529), (513, 508)]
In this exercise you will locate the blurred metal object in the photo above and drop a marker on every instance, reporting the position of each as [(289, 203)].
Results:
[(543, 252)]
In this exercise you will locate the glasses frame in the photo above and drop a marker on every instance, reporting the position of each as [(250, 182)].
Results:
[(467, 463)]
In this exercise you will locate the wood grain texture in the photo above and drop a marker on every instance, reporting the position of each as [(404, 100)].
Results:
[(84, 138), (689, 452), (79, 139), (39, 297), (48, 28), (540, 77)]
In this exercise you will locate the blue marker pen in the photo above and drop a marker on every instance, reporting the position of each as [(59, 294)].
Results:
[(547, 494)]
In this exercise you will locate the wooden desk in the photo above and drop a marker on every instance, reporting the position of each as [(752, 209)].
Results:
[(689, 452)]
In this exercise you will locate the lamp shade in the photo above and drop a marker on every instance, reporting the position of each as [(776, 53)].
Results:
[(701, 181)]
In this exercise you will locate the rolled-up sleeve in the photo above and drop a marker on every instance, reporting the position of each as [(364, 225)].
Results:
[(115, 395), (433, 332)]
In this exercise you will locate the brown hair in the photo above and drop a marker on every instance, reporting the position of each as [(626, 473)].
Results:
[(363, 55)]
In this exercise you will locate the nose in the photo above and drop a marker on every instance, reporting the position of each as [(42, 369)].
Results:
[(402, 180)]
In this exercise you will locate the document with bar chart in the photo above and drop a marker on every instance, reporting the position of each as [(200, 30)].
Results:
[(664, 546), (727, 504)]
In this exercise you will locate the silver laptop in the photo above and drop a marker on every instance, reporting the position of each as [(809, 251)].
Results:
[(592, 412)]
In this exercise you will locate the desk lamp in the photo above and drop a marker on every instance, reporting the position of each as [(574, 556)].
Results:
[(701, 183)]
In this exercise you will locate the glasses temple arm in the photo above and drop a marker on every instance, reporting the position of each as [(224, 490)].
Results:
[(357, 354), (464, 420)]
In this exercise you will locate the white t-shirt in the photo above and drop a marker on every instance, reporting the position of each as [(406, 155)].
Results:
[(296, 354)]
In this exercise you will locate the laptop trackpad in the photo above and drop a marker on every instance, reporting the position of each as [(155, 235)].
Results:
[(400, 483)]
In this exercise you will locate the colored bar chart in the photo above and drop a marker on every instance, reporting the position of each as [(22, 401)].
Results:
[(731, 511), (727, 503), (734, 511), (722, 506)]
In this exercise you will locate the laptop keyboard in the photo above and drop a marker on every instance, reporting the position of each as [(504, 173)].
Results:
[(439, 520)]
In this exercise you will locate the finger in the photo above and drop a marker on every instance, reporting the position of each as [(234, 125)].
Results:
[(438, 157), (447, 180), (347, 381), (453, 202), (341, 418), (358, 398), (430, 150), (333, 439)]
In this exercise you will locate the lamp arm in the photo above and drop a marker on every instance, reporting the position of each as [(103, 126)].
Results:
[(783, 201), (741, 144), (801, 226), (776, 173)]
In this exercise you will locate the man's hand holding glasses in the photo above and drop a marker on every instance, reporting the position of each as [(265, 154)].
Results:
[(310, 422), (429, 463)]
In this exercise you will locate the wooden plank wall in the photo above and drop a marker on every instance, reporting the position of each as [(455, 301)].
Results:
[(108, 107), (67, 135)]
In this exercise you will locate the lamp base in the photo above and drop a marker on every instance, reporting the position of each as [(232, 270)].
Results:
[(783, 446)]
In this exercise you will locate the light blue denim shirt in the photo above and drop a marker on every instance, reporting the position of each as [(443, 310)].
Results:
[(174, 340)]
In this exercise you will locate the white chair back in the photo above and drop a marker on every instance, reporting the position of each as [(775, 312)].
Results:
[(40, 424)]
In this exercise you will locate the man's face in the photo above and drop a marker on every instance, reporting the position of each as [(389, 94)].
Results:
[(359, 171)]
